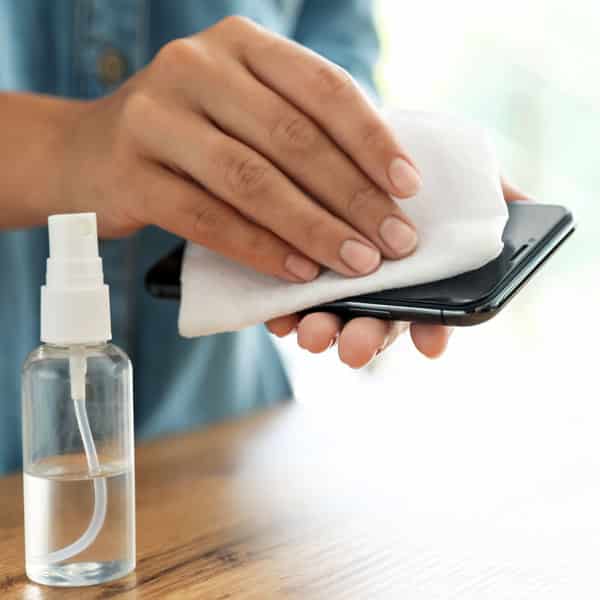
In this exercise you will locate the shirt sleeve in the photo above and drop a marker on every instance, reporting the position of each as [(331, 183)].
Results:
[(342, 31)]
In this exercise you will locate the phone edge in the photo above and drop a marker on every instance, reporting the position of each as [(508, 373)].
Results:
[(461, 316)]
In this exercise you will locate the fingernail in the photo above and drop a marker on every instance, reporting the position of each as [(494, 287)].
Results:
[(404, 177), (301, 267), (359, 257), (399, 236)]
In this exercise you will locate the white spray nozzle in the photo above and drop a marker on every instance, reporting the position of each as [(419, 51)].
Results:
[(74, 261), (75, 303), (73, 236)]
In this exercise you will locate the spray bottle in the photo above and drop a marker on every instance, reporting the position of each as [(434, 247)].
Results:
[(77, 401)]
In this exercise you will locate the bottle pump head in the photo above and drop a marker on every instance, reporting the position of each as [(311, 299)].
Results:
[(75, 307)]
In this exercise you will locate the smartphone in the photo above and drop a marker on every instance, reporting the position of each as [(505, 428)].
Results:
[(532, 234)]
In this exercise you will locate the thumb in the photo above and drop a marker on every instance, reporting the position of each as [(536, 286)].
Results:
[(512, 193)]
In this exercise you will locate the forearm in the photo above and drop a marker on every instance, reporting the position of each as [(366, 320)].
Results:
[(35, 130)]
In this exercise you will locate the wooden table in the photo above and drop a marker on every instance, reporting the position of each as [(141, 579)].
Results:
[(346, 502)]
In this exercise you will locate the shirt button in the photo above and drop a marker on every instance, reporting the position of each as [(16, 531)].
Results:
[(111, 67)]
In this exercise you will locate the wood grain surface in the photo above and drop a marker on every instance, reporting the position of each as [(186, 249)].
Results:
[(340, 503)]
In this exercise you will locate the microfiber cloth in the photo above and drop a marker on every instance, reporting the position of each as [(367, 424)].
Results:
[(459, 214)]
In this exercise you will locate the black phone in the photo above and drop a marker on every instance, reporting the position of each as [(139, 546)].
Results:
[(533, 232)]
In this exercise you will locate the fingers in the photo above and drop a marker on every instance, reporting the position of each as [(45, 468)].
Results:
[(256, 189), (302, 150), (318, 331), (187, 210), (362, 339), (430, 340), (331, 98), (282, 326)]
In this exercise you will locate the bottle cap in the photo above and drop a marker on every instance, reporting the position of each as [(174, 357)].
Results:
[(75, 305)]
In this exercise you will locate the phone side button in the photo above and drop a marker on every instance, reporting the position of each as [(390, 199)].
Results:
[(370, 312)]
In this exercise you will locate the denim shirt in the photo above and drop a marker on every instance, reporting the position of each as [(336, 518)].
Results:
[(85, 49)]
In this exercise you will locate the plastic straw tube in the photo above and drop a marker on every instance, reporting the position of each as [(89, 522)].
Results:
[(77, 372)]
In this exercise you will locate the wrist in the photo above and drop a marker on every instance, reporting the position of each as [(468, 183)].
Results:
[(67, 155), (32, 157)]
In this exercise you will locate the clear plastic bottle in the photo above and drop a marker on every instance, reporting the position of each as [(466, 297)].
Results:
[(78, 445)]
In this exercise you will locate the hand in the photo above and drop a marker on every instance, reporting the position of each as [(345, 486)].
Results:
[(361, 339), (248, 144)]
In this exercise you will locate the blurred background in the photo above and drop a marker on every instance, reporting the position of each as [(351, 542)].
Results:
[(528, 72)]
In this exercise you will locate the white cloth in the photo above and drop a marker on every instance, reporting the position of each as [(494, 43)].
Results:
[(459, 213)]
